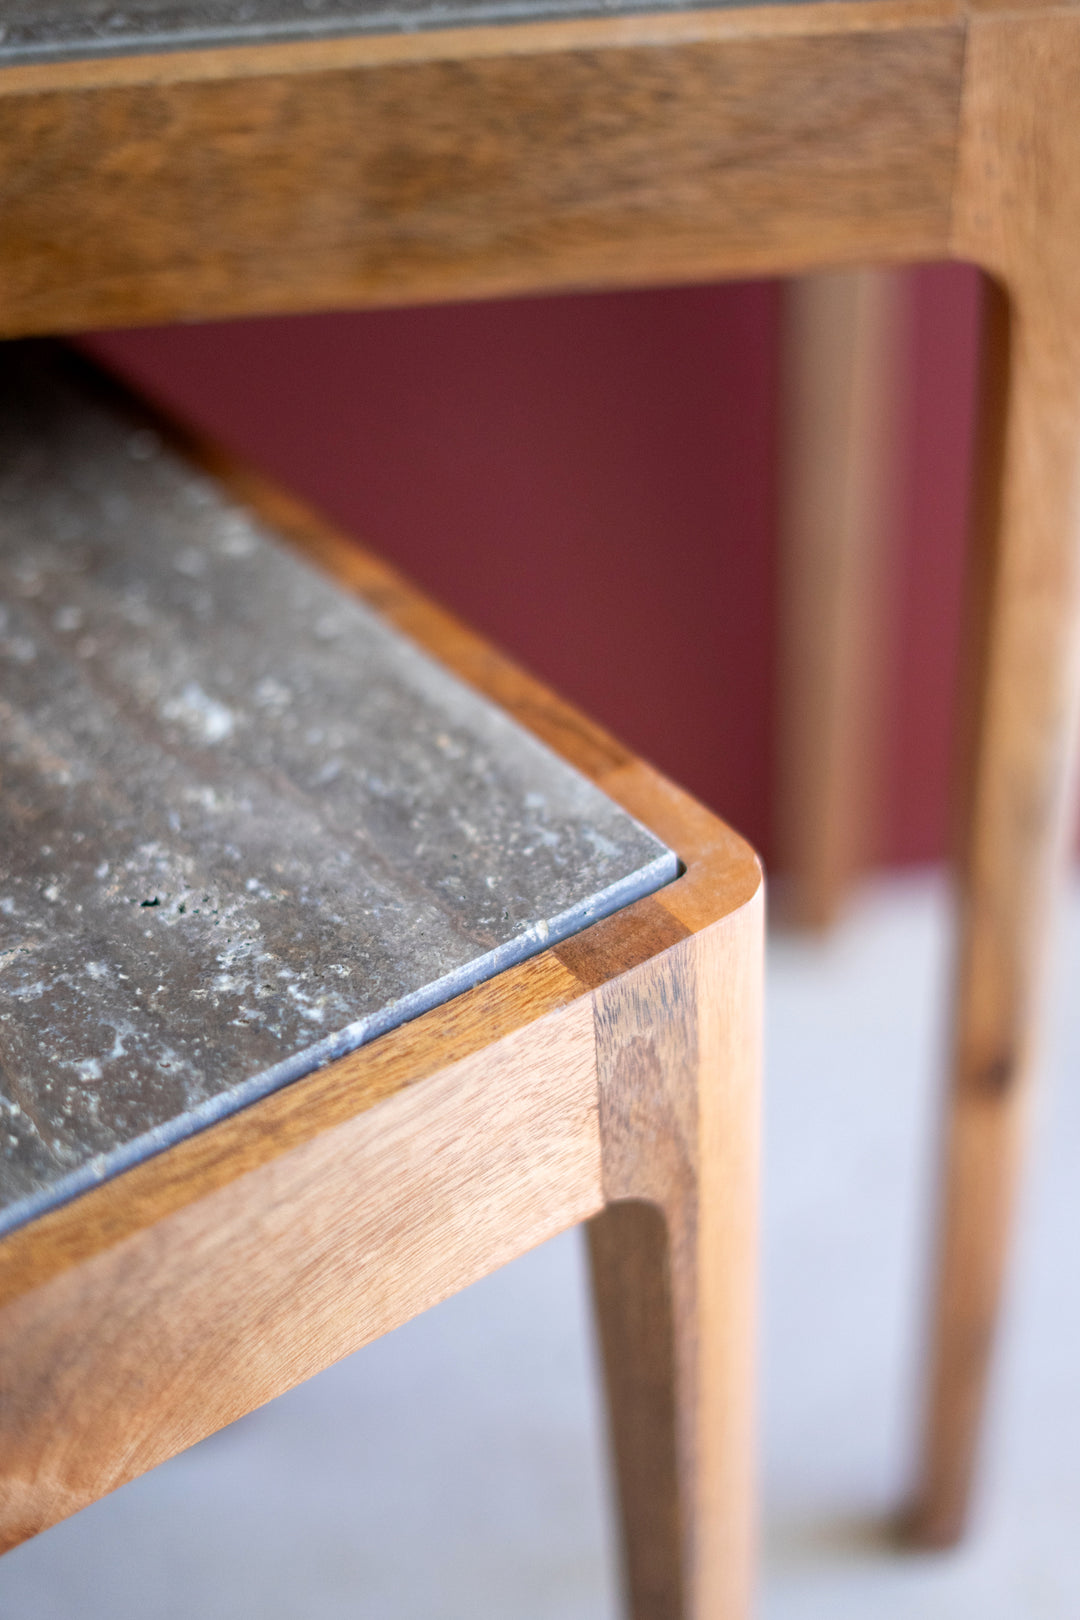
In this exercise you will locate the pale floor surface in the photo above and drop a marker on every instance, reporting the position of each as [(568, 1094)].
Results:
[(454, 1470)]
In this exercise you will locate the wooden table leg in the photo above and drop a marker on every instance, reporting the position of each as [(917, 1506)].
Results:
[(674, 1266), (1018, 214), (843, 347)]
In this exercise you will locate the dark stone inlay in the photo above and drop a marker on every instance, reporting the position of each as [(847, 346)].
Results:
[(244, 825), (44, 30)]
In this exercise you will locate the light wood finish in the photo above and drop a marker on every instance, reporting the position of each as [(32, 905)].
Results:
[(173, 1299), (1018, 214), (844, 337), (475, 162), (118, 1363), (674, 1276)]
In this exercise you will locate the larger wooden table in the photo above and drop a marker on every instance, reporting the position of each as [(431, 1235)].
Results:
[(394, 166)]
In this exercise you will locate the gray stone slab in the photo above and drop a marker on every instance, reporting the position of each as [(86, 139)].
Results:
[(245, 826), (37, 30)]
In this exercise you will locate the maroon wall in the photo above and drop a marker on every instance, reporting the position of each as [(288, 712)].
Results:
[(590, 480)]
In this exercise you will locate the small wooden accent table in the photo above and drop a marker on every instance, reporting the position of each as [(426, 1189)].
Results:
[(251, 823)]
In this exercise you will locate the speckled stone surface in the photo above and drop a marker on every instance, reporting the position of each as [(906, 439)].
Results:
[(37, 30), (244, 825)]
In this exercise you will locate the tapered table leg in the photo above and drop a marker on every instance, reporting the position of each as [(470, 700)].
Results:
[(1019, 214), (674, 1265), (843, 377)]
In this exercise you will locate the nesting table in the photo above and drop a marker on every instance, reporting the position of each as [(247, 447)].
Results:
[(163, 163), (337, 969)]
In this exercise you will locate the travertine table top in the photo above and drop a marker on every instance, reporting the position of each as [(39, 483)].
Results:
[(245, 826), (43, 30)]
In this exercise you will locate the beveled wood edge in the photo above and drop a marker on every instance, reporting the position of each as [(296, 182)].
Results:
[(645, 29), (115, 1365), (722, 875)]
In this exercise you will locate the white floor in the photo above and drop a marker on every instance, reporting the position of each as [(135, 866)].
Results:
[(454, 1471)]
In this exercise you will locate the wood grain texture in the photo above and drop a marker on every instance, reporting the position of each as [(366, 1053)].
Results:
[(119, 1363), (678, 1056), (586, 155), (844, 336), (1018, 214), (288, 1119), (187, 1291)]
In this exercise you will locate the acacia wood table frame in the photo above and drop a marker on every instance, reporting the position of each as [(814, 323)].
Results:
[(647, 149), (613, 1078)]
